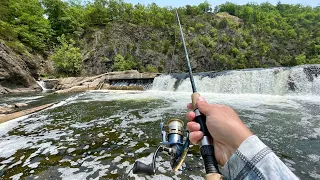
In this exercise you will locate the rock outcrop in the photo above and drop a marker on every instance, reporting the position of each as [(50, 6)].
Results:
[(16, 71), (102, 81)]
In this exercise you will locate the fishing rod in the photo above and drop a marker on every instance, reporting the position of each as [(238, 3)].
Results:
[(206, 144), (175, 144)]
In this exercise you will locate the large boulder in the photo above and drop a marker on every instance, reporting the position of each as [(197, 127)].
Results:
[(16, 71)]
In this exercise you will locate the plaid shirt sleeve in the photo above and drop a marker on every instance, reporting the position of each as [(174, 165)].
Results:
[(254, 160)]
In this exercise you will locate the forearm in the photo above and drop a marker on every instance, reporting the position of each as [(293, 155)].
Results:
[(254, 160)]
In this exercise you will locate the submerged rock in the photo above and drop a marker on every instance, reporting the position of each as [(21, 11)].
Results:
[(5, 110), (19, 105)]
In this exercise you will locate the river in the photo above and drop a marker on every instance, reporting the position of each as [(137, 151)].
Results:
[(100, 134)]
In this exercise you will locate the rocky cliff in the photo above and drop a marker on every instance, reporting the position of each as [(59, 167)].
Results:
[(135, 43), (17, 71)]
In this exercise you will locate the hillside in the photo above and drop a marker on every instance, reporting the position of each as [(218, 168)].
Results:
[(113, 35)]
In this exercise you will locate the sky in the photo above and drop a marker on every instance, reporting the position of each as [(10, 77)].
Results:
[(178, 3)]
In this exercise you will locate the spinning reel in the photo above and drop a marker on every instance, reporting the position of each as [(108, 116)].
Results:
[(172, 145)]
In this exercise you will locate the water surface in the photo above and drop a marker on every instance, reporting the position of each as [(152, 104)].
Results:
[(99, 135)]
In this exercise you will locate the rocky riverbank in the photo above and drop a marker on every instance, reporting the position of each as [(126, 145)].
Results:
[(76, 84), (18, 74)]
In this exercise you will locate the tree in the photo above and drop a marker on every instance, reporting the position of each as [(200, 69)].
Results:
[(300, 59), (4, 10), (227, 7), (67, 58), (28, 21), (205, 6), (64, 19), (120, 64)]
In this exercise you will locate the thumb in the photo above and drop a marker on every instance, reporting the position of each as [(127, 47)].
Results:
[(201, 98), (204, 107)]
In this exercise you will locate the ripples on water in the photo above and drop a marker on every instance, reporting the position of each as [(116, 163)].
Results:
[(99, 135)]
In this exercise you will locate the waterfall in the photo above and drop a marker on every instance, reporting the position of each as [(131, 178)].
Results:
[(42, 84), (145, 83), (302, 80)]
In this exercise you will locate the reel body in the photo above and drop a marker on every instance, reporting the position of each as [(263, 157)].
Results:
[(172, 145)]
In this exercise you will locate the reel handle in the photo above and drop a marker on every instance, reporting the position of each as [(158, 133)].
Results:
[(206, 149), (141, 168)]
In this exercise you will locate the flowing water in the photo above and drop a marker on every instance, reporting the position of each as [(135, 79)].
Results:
[(100, 134)]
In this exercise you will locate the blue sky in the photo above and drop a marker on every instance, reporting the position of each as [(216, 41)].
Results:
[(178, 3)]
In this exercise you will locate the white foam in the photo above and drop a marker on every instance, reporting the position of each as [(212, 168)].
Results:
[(314, 174), (15, 164), (314, 157), (140, 150), (100, 135), (8, 160), (16, 177), (31, 127), (68, 173), (116, 159), (11, 146), (70, 150), (124, 164), (10, 125), (82, 125), (34, 165)]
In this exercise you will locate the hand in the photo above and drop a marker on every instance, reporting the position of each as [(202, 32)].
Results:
[(224, 125)]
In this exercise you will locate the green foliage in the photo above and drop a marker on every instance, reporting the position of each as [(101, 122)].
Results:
[(18, 47), (191, 29), (121, 64), (67, 58), (151, 69), (23, 20), (223, 23), (193, 10), (300, 59), (4, 10), (227, 7), (145, 37), (7, 31), (205, 6)]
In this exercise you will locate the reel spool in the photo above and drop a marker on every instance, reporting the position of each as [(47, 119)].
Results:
[(172, 145)]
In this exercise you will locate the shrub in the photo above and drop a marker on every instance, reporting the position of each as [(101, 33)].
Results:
[(67, 58)]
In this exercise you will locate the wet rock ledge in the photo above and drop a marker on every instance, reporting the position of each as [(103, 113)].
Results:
[(103, 81)]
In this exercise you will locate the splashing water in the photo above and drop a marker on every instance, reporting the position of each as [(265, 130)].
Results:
[(42, 84), (275, 81)]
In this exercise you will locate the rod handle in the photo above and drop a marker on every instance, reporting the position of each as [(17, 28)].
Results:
[(194, 98), (209, 160), (207, 148)]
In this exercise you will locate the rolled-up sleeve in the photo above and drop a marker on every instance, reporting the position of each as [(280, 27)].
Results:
[(254, 160)]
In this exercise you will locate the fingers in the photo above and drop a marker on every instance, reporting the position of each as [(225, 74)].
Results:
[(195, 137), (193, 126), (190, 106), (190, 116), (200, 98)]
